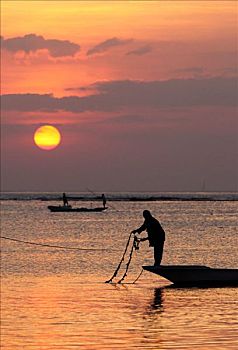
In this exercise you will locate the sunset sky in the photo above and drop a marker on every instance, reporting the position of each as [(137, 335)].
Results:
[(143, 93)]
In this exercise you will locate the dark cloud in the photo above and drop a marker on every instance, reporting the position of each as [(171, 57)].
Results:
[(108, 44), (140, 51), (118, 95), (193, 70), (29, 102), (32, 42)]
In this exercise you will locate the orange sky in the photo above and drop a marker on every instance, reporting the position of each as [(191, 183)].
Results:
[(135, 68), (189, 26), (78, 18)]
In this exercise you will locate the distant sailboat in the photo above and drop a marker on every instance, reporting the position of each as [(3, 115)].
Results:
[(70, 209), (67, 208)]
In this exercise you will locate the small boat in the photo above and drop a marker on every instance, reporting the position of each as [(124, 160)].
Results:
[(70, 209), (195, 275)]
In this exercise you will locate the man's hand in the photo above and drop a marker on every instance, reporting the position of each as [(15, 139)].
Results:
[(134, 231)]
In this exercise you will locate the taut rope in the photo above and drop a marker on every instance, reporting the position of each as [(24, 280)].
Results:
[(47, 245)]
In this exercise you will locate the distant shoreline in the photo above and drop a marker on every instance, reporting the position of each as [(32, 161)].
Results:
[(128, 197)]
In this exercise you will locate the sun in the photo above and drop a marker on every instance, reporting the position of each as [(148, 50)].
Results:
[(47, 137)]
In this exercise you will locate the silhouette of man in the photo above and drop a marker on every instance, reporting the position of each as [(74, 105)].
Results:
[(104, 201), (156, 235), (65, 200)]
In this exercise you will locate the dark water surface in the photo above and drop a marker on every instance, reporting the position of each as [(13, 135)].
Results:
[(57, 299)]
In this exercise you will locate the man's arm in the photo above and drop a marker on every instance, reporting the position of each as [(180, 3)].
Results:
[(143, 239), (140, 229)]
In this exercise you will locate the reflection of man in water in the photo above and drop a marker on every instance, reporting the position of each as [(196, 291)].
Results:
[(65, 200), (156, 235), (104, 201), (157, 302)]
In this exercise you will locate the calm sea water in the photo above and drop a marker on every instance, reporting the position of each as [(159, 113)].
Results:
[(55, 299)]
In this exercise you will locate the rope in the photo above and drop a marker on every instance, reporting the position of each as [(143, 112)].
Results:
[(135, 246), (138, 277), (122, 259), (48, 245), (128, 264)]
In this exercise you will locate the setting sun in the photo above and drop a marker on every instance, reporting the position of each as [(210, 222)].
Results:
[(47, 137)]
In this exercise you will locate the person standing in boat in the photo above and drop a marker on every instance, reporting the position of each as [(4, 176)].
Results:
[(104, 201), (65, 200), (156, 235)]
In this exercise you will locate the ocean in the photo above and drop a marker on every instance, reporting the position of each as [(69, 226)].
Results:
[(57, 299)]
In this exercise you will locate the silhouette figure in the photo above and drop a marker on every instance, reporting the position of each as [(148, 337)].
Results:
[(156, 304), (156, 235), (65, 200), (104, 201)]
